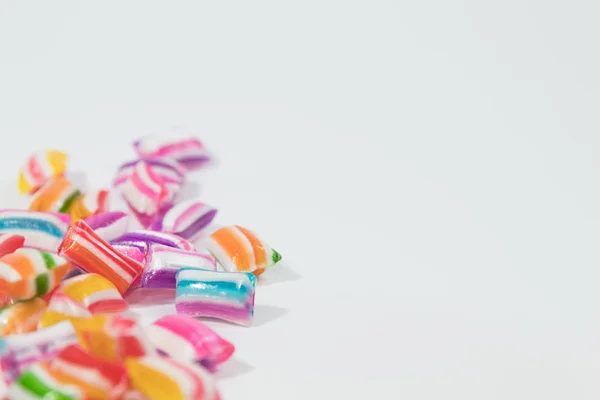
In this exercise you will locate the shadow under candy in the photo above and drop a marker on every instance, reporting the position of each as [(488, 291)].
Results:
[(264, 314), (280, 272), (232, 368)]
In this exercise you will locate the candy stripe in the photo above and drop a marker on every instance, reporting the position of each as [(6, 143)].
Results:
[(96, 293), (9, 243), (162, 264), (109, 225), (21, 317), (186, 219), (224, 295), (39, 168), (143, 238), (40, 229), (92, 254)]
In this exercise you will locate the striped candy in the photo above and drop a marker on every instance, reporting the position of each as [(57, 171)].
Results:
[(57, 195), (96, 293), (162, 264), (29, 272), (185, 338), (170, 172), (177, 145), (143, 238), (21, 317), (89, 204), (144, 193), (238, 249), (99, 379), (18, 352), (186, 219), (87, 250), (40, 167), (224, 295), (63, 308), (112, 337), (109, 225), (41, 382), (9, 243), (160, 378), (41, 230)]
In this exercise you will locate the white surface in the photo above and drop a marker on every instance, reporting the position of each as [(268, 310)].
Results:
[(428, 170)]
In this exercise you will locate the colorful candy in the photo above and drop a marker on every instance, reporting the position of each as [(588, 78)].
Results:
[(224, 295), (96, 293), (162, 264), (41, 230), (98, 378), (238, 249), (29, 272), (41, 382), (144, 193), (39, 168), (63, 308), (177, 145), (109, 225), (21, 317), (57, 195), (185, 338), (160, 378), (112, 337), (143, 238), (9, 243), (186, 219), (89, 204), (87, 250), (18, 352)]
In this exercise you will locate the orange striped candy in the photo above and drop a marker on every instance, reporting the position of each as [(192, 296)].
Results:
[(57, 195), (21, 317), (238, 249)]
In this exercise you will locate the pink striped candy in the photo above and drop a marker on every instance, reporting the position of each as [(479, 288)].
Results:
[(144, 193), (177, 145), (86, 249), (109, 225), (185, 338)]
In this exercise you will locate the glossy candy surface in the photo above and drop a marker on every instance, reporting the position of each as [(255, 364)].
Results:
[(63, 308), (177, 145), (160, 378), (162, 264), (96, 293), (56, 195), (109, 225), (144, 192), (186, 219), (21, 317), (10, 242), (92, 254), (41, 230), (238, 249), (29, 272), (39, 168), (185, 338), (224, 295), (143, 238)]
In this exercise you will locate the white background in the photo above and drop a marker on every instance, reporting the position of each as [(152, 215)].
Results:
[(428, 169)]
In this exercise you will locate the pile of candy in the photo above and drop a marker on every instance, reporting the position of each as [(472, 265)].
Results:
[(67, 263)]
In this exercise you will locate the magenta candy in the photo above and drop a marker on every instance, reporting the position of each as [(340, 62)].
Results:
[(143, 238), (109, 225), (162, 264), (176, 145), (186, 219)]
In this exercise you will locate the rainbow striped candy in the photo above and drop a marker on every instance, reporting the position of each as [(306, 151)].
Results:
[(40, 167), (160, 378), (41, 230), (176, 145), (89, 204), (185, 219), (29, 272), (143, 238), (98, 378), (96, 293), (238, 249), (162, 264), (144, 193), (9, 243), (182, 337), (57, 195), (41, 382), (87, 250), (18, 352), (224, 295), (109, 225), (112, 337), (21, 317)]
